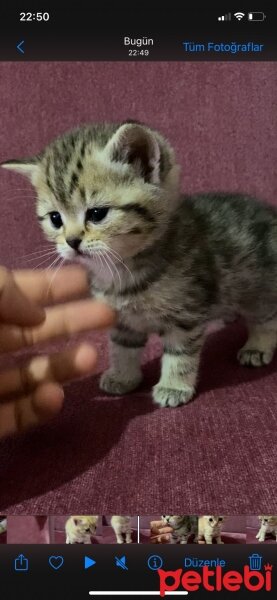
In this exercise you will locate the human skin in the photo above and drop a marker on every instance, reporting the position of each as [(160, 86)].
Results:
[(160, 534), (31, 394)]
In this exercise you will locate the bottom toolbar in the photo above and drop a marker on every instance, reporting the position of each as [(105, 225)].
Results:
[(81, 571)]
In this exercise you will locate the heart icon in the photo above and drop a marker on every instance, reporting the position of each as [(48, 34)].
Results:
[(56, 562)]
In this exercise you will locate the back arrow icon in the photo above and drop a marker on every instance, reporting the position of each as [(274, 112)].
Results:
[(20, 48)]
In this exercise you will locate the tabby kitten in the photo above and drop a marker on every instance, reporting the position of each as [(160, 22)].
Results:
[(122, 529), (3, 525), (268, 525), (209, 528), (79, 529), (183, 526), (109, 197)]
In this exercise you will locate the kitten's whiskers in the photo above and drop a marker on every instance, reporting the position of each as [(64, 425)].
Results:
[(43, 249), (106, 261), (98, 256), (55, 272), (111, 261), (45, 254), (53, 263), (49, 256), (120, 259)]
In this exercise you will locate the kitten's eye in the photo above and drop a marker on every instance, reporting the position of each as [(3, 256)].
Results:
[(220, 519), (211, 519), (95, 215), (56, 219), (87, 530), (266, 520)]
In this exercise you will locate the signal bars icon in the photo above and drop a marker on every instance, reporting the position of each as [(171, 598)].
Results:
[(227, 17)]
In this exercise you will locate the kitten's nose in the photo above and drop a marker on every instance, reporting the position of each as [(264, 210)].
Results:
[(74, 242)]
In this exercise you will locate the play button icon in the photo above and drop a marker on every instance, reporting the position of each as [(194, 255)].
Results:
[(89, 562)]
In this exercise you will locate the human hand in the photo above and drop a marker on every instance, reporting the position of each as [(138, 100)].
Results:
[(32, 394), (160, 533)]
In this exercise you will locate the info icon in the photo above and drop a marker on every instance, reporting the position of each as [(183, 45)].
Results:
[(155, 562)]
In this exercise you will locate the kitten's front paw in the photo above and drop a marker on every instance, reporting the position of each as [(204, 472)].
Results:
[(112, 384), (254, 358), (169, 397)]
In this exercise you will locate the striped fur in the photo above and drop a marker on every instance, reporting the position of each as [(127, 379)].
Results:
[(183, 527), (167, 263)]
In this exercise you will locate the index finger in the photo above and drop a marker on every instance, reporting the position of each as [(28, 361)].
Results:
[(40, 286), (64, 320)]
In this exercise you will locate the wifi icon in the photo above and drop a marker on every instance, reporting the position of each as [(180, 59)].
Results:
[(239, 15)]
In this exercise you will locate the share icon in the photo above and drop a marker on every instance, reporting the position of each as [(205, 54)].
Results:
[(121, 562)]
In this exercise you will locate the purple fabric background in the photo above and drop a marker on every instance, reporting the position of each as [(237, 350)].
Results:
[(121, 455), (27, 530)]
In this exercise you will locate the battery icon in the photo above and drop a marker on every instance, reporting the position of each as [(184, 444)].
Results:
[(256, 16)]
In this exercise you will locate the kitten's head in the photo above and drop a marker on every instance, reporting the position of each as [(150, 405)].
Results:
[(173, 520), (103, 187), (213, 521), (268, 520), (85, 525)]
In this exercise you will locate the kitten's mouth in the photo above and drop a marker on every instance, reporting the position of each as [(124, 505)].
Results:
[(91, 253)]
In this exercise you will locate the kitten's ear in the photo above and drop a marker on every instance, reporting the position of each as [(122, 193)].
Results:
[(28, 167), (77, 521), (135, 145)]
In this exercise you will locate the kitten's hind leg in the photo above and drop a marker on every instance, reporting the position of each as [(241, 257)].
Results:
[(128, 537), (260, 346), (124, 374)]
